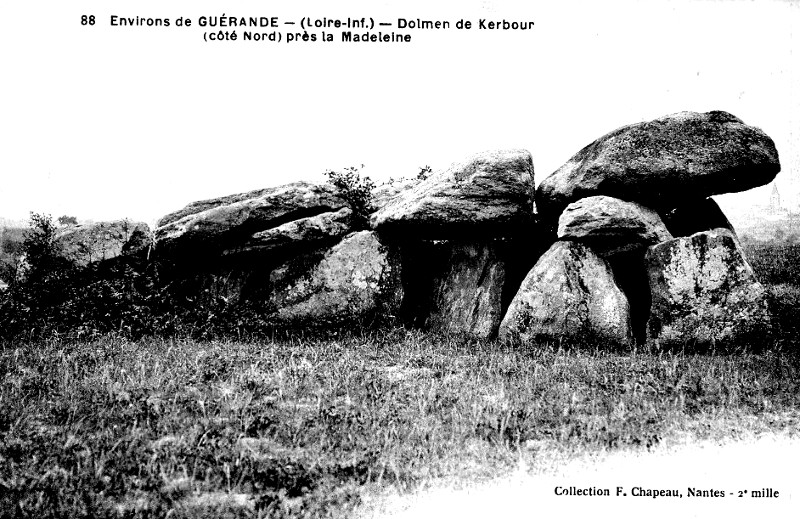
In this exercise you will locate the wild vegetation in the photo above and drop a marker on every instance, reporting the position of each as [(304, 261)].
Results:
[(50, 297)]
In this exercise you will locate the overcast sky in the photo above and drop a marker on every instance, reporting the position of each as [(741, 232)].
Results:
[(106, 122)]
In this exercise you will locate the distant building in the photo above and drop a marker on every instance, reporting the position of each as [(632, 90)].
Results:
[(774, 200)]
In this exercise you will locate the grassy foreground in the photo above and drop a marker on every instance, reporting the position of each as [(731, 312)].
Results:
[(309, 427)]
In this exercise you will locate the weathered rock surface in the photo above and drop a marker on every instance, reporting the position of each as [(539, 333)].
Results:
[(305, 233), (696, 216), (611, 226), (225, 222), (468, 300), (357, 277), (386, 193), (664, 162), (100, 241), (203, 205), (704, 293), (569, 295), (490, 195)]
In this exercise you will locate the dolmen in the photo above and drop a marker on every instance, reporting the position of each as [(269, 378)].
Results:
[(622, 245)]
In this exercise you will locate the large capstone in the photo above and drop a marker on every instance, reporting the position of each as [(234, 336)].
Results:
[(704, 293), (302, 234), (488, 195), (215, 225), (570, 295), (388, 192), (359, 278), (665, 162), (203, 205), (611, 226)]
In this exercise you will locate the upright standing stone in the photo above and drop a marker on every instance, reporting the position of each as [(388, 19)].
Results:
[(569, 295), (468, 300), (704, 293), (358, 277)]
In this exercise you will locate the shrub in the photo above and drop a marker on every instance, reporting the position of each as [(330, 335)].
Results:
[(424, 173), (355, 190), (67, 220), (44, 261)]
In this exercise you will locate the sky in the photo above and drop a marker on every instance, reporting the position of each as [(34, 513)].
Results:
[(103, 122)]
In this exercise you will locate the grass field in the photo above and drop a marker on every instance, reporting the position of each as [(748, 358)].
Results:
[(307, 427)]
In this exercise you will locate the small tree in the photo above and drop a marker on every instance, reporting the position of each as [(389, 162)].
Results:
[(10, 254), (38, 288), (355, 190), (43, 255)]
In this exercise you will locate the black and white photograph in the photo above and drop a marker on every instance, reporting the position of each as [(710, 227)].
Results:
[(400, 259)]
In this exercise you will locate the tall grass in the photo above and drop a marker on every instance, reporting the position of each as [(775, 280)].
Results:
[(774, 263), (305, 426)]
